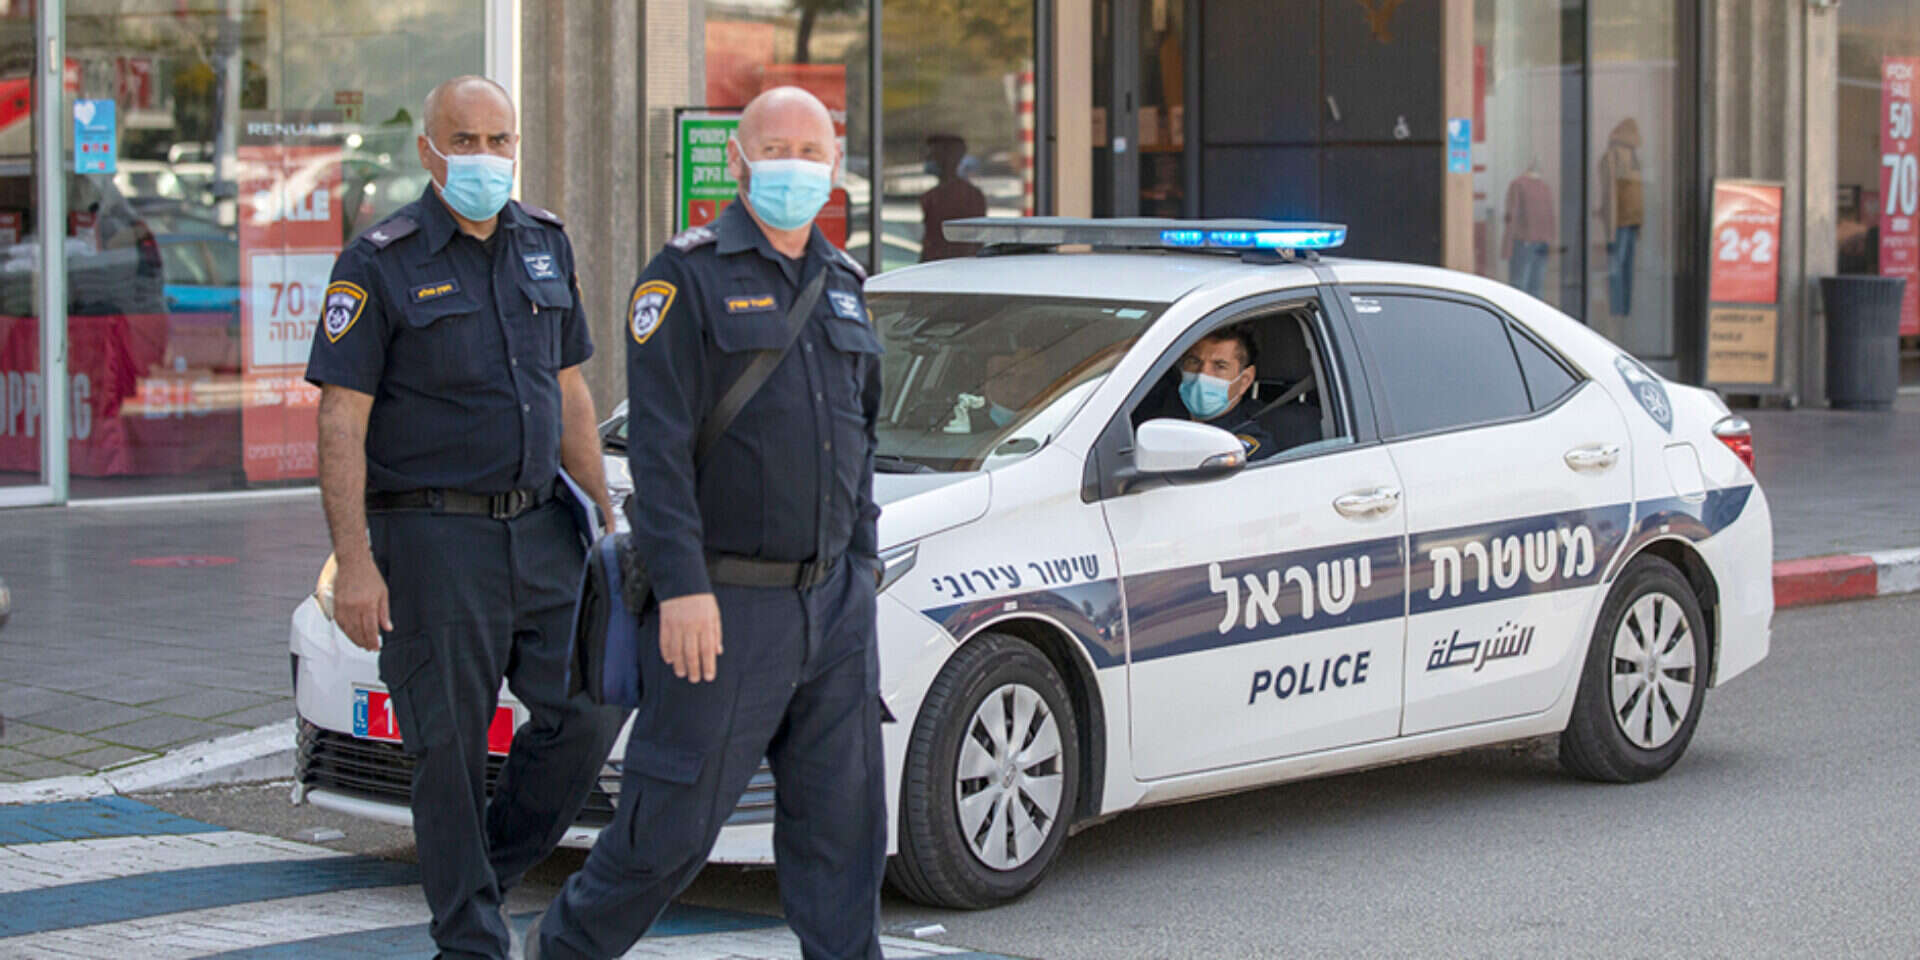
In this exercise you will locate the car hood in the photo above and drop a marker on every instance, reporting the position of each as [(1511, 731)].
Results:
[(918, 505)]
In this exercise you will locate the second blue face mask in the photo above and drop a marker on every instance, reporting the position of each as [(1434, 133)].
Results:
[(1204, 396), (787, 194)]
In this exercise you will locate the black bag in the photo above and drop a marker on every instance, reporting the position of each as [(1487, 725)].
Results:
[(615, 591)]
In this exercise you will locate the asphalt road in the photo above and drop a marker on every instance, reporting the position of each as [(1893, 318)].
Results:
[(1791, 828)]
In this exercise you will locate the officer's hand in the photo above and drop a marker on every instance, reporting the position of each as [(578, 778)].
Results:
[(690, 636), (360, 603)]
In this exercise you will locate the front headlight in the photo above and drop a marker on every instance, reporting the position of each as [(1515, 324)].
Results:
[(895, 563), (323, 588)]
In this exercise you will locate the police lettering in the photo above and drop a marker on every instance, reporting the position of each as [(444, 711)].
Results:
[(1345, 670)]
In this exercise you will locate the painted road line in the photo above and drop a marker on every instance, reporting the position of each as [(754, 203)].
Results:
[(30, 866), (87, 819), (413, 940)]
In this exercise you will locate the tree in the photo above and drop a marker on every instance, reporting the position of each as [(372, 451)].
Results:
[(810, 10)]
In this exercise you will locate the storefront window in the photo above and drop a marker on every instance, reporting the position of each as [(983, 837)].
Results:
[(820, 45), (1878, 154), (226, 151), (958, 120), (1529, 90), (1636, 183), (22, 424)]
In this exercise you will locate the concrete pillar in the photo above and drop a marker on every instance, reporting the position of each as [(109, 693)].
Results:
[(1073, 108), (1819, 238), (1456, 70), (581, 156)]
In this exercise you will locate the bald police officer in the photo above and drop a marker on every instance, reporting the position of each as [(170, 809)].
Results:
[(449, 366), (774, 539)]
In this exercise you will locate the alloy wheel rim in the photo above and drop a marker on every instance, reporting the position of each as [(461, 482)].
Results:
[(1008, 778), (1654, 671)]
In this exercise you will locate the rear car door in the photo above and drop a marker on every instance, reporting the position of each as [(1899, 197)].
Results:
[(1518, 487), (1264, 609)]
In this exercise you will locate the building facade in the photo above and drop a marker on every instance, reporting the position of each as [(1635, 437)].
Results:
[(204, 160)]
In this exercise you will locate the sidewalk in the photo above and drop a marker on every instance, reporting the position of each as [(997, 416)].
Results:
[(117, 653)]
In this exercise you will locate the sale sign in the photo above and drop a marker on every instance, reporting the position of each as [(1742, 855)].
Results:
[(290, 225), (1746, 243), (1900, 184)]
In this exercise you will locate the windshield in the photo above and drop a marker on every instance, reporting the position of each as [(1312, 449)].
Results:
[(974, 381)]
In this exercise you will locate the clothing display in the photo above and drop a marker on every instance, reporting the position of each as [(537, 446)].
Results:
[(1531, 230), (1623, 210)]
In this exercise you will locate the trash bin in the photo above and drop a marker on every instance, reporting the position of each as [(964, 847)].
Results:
[(1863, 339)]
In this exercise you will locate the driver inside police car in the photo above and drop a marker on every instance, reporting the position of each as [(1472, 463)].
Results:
[(1215, 376)]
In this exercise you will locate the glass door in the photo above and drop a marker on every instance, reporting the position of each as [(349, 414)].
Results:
[(29, 457), (1140, 108)]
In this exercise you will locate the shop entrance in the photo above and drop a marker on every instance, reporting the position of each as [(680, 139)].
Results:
[(1306, 110)]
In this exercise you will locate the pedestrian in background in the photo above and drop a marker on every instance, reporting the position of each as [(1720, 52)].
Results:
[(451, 396), (772, 538)]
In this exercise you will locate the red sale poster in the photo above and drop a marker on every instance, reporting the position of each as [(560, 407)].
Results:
[(1900, 184), (290, 228), (1746, 243)]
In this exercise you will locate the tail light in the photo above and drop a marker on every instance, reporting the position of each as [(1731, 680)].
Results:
[(1737, 434)]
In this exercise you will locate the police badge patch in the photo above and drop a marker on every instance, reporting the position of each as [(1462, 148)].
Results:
[(847, 305), (540, 266), (649, 307), (1647, 390), (344, 301)]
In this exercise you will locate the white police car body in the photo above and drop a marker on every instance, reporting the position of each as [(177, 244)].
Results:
[(1477, 522)]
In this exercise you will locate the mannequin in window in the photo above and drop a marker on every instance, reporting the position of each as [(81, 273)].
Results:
[(1530, 229), (953, 198), (1622, 211)]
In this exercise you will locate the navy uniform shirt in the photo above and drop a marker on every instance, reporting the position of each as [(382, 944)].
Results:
[(1240, 422), (459, 342), (793, 476)]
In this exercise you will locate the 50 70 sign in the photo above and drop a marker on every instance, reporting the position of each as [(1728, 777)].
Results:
[(1900, 184)]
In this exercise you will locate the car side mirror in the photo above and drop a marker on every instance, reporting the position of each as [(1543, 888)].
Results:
[(1182, 450)]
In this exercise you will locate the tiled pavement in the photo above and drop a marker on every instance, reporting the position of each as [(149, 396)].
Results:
[(108, 660), (113, 877)]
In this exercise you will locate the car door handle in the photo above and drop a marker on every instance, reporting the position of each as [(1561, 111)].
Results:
[(1599, 456), (1360, 505)]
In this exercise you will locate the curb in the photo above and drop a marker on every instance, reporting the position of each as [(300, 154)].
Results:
[(263, 753), (1816, 580)]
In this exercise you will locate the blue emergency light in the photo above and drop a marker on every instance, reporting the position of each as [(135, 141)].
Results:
[(1004, 234)]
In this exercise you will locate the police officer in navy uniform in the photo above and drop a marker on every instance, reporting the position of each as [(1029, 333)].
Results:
[(448, 360), (773, 539)]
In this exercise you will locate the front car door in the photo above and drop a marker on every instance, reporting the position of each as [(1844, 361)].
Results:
[(1518, 491), (1264, 609)]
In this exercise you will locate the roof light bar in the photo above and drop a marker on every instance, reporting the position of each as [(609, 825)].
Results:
[(1147, 233)]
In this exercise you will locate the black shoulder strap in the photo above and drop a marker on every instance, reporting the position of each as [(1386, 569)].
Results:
[(757, 372)]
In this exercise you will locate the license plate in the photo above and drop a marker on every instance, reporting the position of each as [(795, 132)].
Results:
[(373, 719)]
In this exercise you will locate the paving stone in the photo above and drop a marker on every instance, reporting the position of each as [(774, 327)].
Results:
[(14, 733), (10, 758), (157, 731), (47, 768), (262, 715), (147, 691), (86, 717), (22, 701), (58, 746), (205, 703), (104, 757)]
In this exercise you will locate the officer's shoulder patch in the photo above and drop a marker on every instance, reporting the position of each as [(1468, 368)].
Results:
[(850, 263), (542, 214), (387, 231), (686, 240), (1248, 441), (344, 303), (649, 307)]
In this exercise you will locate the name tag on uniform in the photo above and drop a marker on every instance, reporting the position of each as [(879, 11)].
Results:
[(540, 266), (758, 303), (434, 291), (846, 305)]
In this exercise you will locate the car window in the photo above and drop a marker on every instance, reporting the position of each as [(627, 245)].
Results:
[(978, 380), (1439, 363), (1547, 378)]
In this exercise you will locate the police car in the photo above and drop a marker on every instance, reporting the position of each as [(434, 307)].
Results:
[(1468, 519)]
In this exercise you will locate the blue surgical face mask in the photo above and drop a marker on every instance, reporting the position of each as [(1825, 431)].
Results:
[(787, 194), (1204, 396), (1001, 416), (477, 183)]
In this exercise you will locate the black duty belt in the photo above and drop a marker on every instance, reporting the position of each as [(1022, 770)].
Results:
[(738, 571), (499, 506)]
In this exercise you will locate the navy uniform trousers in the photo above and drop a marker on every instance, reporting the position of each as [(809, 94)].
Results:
[(798, 683), (474, 599)]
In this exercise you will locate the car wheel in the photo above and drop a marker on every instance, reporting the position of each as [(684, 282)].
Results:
[(1644, 681), (991, 778)]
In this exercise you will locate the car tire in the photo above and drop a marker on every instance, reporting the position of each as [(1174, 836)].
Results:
[(979, 822), (1644, 681)]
